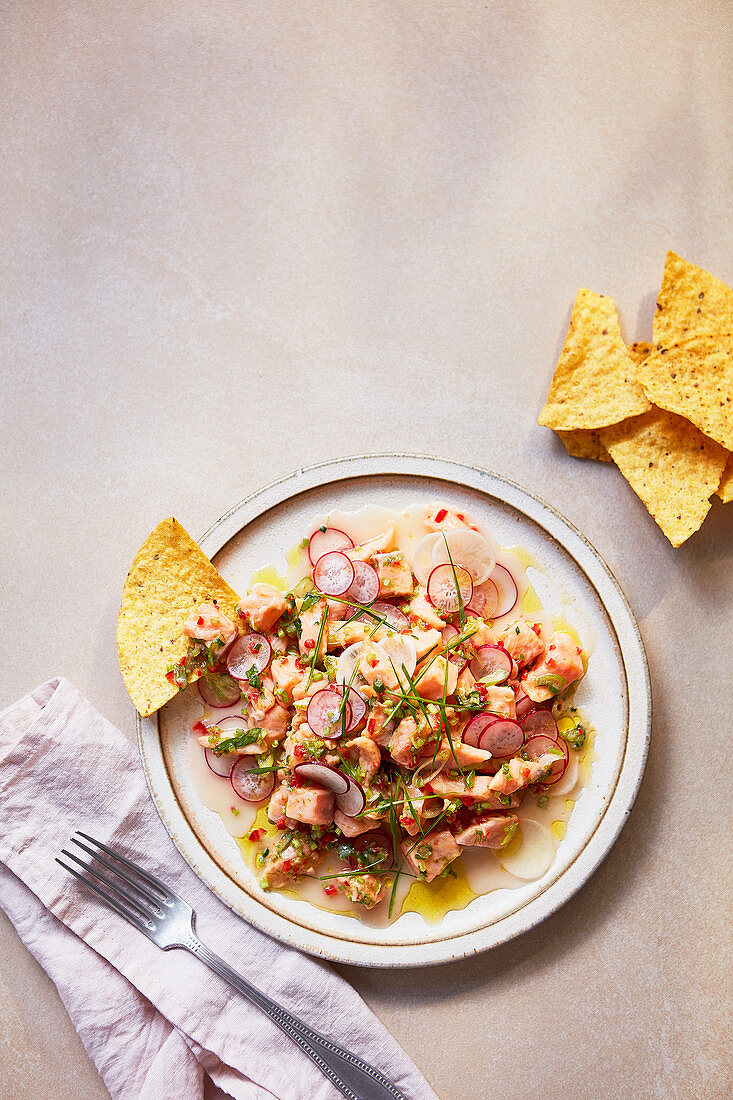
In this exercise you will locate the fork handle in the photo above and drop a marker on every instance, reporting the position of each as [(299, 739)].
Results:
[(353, 1077)]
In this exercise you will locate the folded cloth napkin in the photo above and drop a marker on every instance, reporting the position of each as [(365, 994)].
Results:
[(157, 1024)]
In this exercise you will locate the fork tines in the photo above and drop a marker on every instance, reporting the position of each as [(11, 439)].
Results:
[(139, 907)]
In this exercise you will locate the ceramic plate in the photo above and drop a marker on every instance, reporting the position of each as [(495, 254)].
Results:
[(615, 694)]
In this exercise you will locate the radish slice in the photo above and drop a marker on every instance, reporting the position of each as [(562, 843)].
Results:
[(522, 703), (536, 854), (501, 738), (220, 765), (377, 850), (468, 547), (353, 801), (333, 573), (422, 562), (219, 690), (442, 591), (364, 588), (401, 650), (539, 745), (348, 661), (394, 617), (485, 599), (475, 728), (493, 662), (506, 586), (253, 651), (358, 706), (328, 715), (538, 720), (252, 788), (321, 541), (324, 775), (567, 781), (230, 726)]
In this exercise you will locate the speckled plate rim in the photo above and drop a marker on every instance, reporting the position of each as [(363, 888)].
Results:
[(613, 819)]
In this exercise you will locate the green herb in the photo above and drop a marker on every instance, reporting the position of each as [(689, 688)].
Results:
[(241, 739), (461, 610), (554, 683), (542, 801), (424, 851), (253, 678)]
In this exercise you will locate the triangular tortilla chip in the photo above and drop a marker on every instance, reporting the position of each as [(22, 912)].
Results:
[(672, 466), (594, 382), (691, 302), (168, 579), (695, 379), (725, 489), (586, 442)]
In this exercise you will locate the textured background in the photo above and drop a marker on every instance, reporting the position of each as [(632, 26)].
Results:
[(242, 237)]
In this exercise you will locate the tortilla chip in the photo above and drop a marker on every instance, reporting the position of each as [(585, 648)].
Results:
[(594, 384), (169, 578), (585, 443), (725, 489), (695, 379), (670, 465), (691, 302), (639, 351)]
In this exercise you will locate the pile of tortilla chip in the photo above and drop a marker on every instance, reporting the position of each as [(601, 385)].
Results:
[(169, 578), (662, 412)]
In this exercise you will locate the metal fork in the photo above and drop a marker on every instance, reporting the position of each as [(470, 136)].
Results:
[(167, 920)]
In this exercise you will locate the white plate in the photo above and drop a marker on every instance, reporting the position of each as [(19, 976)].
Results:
[(615, 692)]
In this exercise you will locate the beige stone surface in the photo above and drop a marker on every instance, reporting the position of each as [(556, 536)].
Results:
[(241, 237)]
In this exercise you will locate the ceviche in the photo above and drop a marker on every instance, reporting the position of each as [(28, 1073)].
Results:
[(396, 711)]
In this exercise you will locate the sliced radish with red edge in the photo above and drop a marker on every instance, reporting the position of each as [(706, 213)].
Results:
[(537, 746), (485, 599), (364, 588), (328, 715), (324, 775), (250, 787), (506, 586), (331, 538), (358, 705), (220, 765), (252, 651), (522, 703), (502, 737), (443, 592), (219, 690), (493, 662), (353, 801), (475, 728), (393, 616), (538, 721), (333, 573)]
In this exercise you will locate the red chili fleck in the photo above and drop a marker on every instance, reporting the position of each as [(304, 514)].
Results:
[(405, 821), (551, 662), (460, 515), (200, 620), (309, 643), (440, 516), (299, 665), (537, 628), (182, 661), (330, 890), (295, 781), (281, 824), (467, 801), (429, 788), (256, 834), (299, 751), (199, 727), (372, 662), (371, 725), (287, 864)]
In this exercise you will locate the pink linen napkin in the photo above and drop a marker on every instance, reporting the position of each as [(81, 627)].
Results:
[(157, 1024)]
